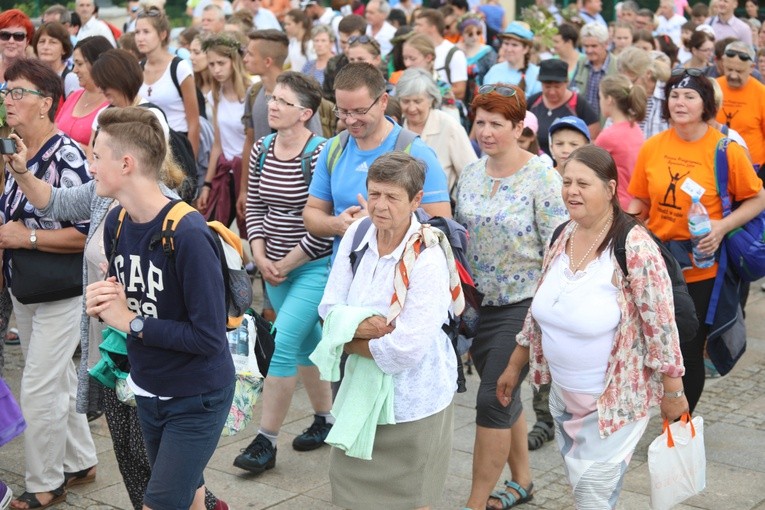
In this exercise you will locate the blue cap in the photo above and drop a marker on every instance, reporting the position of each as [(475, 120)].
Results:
[(519, 30), (570, 122)]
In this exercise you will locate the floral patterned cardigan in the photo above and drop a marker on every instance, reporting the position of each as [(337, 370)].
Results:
[(646, 344)]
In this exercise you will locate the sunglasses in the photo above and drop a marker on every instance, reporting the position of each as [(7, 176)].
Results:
[(690, 72), (501, 90), (151, 13), (744, 56), (17, 36)]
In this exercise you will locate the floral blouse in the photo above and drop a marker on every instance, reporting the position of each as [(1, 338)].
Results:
[(510, 230), (646, 344)]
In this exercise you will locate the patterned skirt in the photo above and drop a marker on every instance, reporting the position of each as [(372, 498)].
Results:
[(595, 466)]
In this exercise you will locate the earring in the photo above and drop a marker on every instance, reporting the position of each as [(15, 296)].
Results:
[(42, 116)]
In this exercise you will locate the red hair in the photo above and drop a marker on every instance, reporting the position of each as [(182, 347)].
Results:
[(13, 18), (513, 108)]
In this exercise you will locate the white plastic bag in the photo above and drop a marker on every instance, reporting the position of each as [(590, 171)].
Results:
[(677, 463)]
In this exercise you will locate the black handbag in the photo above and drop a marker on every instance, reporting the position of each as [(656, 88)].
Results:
[(39, 276)]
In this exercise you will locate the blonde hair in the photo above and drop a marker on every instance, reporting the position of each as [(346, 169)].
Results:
[(136, 130), (423, 44), (629, 99), (228, 45)]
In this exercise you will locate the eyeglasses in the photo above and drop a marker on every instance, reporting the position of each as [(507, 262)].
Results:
[(281, 102), (18, 93), (692, 71), (350, 114), (744, 56), (17, 36), (501, 90)]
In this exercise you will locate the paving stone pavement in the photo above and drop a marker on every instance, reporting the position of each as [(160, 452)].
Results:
[(733, 408)]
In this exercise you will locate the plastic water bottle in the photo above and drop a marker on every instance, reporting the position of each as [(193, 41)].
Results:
[(699, 226)]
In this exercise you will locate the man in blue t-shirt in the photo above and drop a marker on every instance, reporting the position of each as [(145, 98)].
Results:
[(337, 196)]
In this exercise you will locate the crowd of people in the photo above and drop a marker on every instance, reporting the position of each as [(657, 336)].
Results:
[(329, 136)]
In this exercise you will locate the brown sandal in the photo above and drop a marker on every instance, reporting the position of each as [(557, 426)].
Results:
[(87, 475)]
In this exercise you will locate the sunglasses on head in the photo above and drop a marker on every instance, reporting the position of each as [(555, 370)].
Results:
[(744, 56), (17, 36), (690, 72), (151, 13)]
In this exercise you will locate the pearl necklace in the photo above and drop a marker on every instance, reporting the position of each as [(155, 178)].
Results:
[(575, 267)]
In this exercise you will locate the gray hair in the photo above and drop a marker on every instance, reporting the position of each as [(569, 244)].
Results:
[(64, 16), (595, 30), (217, 9), (384, 7), (630, 5), (323, 29), (400, 169), (417, 82)]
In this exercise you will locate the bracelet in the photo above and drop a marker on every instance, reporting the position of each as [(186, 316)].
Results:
[(207, 184), (18, 173), (674, 394)]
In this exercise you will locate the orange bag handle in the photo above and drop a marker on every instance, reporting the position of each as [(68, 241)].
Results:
[(685, 418)]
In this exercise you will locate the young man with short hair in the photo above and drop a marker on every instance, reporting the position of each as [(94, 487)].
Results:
[(450, 62)]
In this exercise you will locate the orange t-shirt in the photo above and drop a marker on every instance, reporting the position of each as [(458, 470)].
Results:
[(744, 110), (663, 165)]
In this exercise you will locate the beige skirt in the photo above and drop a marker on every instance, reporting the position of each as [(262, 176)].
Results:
[(408, 469)]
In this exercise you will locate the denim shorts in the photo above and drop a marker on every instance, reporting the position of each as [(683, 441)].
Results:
[(181, 435)]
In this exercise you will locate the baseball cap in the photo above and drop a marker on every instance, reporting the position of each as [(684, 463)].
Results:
[(570, 122), (531, 122), (553, 69), (518, 30), (306, 3)]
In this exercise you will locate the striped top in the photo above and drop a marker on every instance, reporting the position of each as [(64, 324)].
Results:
[(275, 200)]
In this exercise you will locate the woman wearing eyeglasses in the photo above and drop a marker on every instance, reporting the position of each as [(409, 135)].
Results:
[(293, 264), (323, 38), (58, 448), (702, 45), (669, 162), (229, 87), (510, 203), (16, 30)]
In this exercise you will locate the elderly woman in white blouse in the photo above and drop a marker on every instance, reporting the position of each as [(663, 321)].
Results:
[(420, 99), (409, 456)]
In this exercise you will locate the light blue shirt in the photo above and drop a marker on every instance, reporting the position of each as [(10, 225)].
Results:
[(266, 19), (503, 73), (349, 176)]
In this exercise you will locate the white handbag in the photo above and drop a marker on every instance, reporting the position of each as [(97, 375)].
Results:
[(677, 462)]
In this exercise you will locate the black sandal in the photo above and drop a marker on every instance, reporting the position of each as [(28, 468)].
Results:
[(540, 434), (30, 498)]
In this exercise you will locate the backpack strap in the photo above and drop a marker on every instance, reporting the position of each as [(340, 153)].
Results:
[(536, 102), (169, 224), (305, 159), (572, 103), (265, 143), (404, 140), (336, 147), (721, 175), (120, 221), (558, 230), (356, 255), (252, 94), (448, 62), (174, 74)]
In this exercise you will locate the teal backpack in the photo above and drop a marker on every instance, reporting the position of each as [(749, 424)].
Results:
[(305, 159)]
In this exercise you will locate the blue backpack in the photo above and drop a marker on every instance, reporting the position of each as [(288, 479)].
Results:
[(744, 246)]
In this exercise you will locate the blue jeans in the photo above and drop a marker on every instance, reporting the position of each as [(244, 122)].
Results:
[(181, 435), (296, 301)]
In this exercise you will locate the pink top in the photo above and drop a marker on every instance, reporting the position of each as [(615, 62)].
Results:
[(77, 128), (623, 142)]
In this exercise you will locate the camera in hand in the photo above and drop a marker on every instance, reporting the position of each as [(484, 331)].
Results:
[(7, 146)]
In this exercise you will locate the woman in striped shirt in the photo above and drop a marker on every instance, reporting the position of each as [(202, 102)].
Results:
[(294, 264)]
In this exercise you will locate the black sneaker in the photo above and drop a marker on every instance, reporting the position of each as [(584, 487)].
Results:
[(259, 456), (313, 437)]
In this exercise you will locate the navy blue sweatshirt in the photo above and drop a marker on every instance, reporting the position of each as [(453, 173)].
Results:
[(184, 350)]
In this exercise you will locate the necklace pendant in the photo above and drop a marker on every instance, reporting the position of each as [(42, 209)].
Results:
[(549, 113), (149, 91)]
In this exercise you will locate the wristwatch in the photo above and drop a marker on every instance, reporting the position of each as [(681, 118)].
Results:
[(33, 238), (674, 394), (136, 326)]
